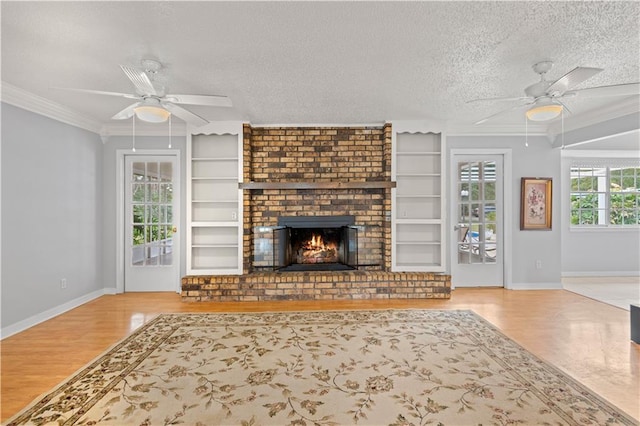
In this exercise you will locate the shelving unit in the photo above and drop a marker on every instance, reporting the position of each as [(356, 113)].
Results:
[(417, 215), (214, 208)]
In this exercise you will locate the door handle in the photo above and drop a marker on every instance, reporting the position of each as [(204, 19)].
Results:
[(174, 229)]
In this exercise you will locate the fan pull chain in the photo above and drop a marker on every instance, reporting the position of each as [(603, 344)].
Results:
[(133, 143), (170, 131), (562, 124), (526, 132)]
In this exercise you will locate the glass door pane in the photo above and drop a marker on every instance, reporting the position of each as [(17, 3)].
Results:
[(151, 213), (476, 211)]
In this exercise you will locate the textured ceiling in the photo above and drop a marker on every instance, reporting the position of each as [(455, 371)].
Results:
[(319, 62)]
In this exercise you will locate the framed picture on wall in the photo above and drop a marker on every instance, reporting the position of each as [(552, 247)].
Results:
[(535, 210)]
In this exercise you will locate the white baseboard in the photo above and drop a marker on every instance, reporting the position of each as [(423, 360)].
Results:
[(535, 286), (12, 329), (601, 274)]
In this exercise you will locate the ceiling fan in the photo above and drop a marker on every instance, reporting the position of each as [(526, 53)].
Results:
[(153, 105), (544, 98)]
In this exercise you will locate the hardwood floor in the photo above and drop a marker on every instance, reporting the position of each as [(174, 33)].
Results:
[(585, 338)]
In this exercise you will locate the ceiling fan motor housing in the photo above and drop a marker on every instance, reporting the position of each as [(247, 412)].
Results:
[(542, 67), (151, 66), (538, 89)]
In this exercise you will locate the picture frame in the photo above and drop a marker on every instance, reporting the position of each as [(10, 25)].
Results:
[(535, 209)]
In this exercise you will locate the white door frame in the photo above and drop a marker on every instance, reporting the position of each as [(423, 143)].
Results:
[(120, 206), (507, 207)]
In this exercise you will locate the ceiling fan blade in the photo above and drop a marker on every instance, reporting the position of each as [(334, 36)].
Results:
[(100, 92), (126, 113), (628, 89), (140, 80), (521, 98), (572, 79), (502, 112), (185, 115), (208, 100)]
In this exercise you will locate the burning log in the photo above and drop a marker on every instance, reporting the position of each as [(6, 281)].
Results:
[(317, 251)]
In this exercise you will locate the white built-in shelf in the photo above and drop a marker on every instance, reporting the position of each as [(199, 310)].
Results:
[(234, 201), (214, 245), (215, 159), (233, 178), (402, 221), (412, 153), (220, 270), (417, 209), (418, 266), (216, 224), (214, 208)]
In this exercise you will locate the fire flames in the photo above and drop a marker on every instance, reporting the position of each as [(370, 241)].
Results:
[(316, 250)]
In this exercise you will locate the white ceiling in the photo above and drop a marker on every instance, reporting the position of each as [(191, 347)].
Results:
[(319, 62)]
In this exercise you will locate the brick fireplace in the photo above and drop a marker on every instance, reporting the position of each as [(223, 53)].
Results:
[(359, 158), (294, 172)]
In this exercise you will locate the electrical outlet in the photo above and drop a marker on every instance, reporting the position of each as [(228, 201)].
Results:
[(538, 264), (63, 283), (234, 215)]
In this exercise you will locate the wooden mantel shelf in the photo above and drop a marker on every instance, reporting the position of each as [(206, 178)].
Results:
[(317, 185)]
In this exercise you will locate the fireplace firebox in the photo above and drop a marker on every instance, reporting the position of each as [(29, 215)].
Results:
[(315, 243)]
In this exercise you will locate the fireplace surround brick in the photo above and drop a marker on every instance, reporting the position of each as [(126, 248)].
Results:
[(316, 286), (317, 155)]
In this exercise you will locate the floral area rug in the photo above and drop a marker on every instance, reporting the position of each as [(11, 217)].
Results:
[(394, 367)]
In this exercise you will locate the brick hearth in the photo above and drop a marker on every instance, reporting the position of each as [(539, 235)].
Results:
[(316, 285)]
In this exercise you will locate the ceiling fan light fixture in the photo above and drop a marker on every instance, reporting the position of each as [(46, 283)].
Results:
[(544, 112), (152, 114)]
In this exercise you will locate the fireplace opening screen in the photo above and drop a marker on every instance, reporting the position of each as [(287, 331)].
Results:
[(309, 244), (315, 249)]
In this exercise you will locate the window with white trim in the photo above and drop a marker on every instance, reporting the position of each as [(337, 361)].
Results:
[(605, 193)]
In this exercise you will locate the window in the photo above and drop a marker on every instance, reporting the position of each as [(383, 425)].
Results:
[(605, 195)]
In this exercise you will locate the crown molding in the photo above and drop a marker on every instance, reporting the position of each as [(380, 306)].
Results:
[(598, 131), (627, 106), (462, 129), (125, 128), (599, 153), (418, 126), (311, 125), (21, 98)]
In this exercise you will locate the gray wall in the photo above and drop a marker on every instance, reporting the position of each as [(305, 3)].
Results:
[(601, 252), (59, 214), (598, 251), (51, 213), (110, 191), (539, 159)]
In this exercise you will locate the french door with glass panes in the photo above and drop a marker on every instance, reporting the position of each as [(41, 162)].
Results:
[(151, 238), (477, 219)]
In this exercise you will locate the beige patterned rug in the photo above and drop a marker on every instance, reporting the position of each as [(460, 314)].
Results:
[(395, 367)]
